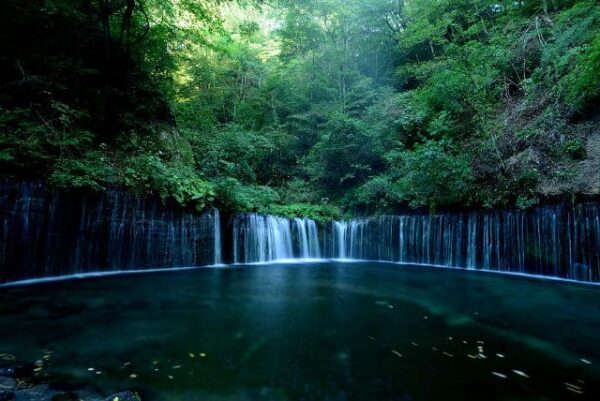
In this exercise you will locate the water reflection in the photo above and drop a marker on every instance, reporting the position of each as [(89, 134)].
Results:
[(322, 331)]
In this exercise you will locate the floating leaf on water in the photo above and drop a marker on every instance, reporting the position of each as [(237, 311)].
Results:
[(520, 373), (396, 353), (572, 387), (500, 375)]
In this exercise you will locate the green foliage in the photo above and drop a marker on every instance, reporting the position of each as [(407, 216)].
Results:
[(345, 154), (377, 194), (430, 176), (148, 174), (235, 196), (583, 82), (300, 191), (27, 139), (320, 213), (303, 107), (91, 172), (575, 147)]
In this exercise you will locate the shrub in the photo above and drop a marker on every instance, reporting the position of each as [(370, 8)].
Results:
[(92, 172), (234, 196), (321, 213), (149, 174), (431, 176)]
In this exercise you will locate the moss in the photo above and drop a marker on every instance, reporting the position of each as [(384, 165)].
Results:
[(320, 213)]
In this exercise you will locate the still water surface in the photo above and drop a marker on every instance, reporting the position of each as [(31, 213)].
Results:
[(320, 331)]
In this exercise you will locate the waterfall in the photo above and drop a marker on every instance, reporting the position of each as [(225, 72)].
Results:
[(258, 238), (280, 238), (314, 250), (303, 237), (554, 241), (307, 238), (218, 249), (264, 238), (48, 233), (51, 233), (339, 238)]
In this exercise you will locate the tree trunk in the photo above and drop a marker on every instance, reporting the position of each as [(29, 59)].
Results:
[(105, 12), (126, 27)]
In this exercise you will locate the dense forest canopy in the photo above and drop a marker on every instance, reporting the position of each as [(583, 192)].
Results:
[(305, 107)]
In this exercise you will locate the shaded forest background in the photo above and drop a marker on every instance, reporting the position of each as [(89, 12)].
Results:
[(305, 107)]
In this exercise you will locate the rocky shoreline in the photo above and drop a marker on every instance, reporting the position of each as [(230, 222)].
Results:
[(26, 381)]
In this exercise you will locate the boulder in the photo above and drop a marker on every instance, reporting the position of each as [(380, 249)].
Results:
[(7, 383), (69, 396), (7, 396), (124, 396)]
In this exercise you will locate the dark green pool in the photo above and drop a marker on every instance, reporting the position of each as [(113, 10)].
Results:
[(323, 331)]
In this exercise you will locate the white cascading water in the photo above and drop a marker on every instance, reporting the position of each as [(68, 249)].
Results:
[(46, 233), (218, 249), (302, 237), (549, 241), (307, 238), (314, 250), (116, 232), (340, 230), (279, 238), (258, 238)]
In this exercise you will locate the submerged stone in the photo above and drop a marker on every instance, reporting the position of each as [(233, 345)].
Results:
[(124, 396), (7, 383), (6, 396), (65, 397), (40, 392)]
